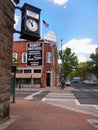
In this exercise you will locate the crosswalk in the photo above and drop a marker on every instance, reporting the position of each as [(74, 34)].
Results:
[(67, 100), (59, 96)]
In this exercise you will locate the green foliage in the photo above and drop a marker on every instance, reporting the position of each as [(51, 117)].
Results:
[(71, 67), (83, 69), (69, 61), (94, 62)]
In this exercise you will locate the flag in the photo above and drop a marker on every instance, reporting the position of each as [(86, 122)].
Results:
[(52, 44), (45, 24)]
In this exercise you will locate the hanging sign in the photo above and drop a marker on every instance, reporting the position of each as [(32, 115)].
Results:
[(34, 54)]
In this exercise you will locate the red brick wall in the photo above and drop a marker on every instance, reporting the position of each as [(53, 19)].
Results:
[(6, 40), (46, 66), (20, 46)]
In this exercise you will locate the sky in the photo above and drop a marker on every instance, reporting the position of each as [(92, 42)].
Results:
[(73, 21)]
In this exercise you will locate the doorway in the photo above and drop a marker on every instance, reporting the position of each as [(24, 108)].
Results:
[(48, 79)]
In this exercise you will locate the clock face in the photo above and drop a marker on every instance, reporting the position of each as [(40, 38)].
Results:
[(32, 25)]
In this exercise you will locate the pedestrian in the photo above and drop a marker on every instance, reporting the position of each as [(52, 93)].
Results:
[(62, 84)]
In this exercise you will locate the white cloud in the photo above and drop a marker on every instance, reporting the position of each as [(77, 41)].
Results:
[(82, 58), (60, 2), (82, 48), (16, 18)]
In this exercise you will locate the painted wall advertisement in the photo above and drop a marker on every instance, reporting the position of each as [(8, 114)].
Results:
[(34, 54)]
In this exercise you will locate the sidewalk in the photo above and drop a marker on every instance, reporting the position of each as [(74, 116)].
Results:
[(37, 115), (43, 89)]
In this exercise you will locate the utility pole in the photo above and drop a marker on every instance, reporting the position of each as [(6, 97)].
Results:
[(62, 70), (61, 48)]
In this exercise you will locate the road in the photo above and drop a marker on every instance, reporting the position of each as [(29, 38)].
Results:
[(86, 94), (82, 98), (21, 94)]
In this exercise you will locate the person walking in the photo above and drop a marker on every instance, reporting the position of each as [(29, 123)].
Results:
[(62, 84)]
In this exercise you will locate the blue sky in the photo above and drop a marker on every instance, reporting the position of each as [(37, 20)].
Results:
[(74, 21)]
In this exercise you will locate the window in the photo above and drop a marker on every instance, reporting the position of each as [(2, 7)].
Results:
[(37, 70), (48, 57), (19, 71), (14, 57), (26, 81), (24, 57), (37, 80), (27, 70)]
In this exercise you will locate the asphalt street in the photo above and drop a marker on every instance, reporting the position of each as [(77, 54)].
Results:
[(86, 94)]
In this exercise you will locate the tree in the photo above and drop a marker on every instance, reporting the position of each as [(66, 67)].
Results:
[(69, 61), (94, 61), (84, 68)]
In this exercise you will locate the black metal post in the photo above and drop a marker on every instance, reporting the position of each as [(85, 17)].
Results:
[(13, 82)]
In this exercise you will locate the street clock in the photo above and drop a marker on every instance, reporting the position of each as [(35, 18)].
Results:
[(30, 24)]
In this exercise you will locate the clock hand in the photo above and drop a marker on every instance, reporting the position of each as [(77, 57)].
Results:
[(31, 23)]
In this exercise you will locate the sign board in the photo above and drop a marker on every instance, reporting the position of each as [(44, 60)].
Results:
[(34, 54)]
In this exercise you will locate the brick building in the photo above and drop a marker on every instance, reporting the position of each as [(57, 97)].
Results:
[(7, 8), (37, 63)]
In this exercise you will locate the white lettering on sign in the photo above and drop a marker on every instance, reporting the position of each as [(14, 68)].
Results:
[(34, 54)]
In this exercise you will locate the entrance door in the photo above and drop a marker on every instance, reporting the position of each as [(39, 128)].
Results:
[(48, 80)]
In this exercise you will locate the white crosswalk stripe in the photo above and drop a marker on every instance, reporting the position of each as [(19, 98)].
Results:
[(59, 96)]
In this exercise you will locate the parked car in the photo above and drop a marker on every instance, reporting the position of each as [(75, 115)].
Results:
[(67, 83), (75, 80)]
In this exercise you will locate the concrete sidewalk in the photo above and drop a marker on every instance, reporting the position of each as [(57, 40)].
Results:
[(37, 115)]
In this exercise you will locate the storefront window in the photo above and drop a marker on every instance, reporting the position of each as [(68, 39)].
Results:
[(27, 70), (37, 80), (20, 71), (37, 70)]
